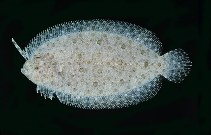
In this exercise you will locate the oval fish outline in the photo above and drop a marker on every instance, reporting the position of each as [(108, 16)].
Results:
[(99, 64)]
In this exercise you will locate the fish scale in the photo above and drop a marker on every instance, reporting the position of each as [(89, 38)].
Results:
[(99, 64)]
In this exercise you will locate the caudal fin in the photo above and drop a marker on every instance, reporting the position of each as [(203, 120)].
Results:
[(177, 65)]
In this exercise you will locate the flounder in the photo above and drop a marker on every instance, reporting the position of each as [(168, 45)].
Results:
[(98, 64)]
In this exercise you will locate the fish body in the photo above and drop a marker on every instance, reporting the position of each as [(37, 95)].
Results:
[(100, 64)]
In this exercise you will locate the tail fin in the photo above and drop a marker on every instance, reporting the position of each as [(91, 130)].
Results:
[(23, 53), (177, 65)]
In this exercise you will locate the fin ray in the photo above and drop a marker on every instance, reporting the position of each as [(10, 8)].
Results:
[(23, 53)]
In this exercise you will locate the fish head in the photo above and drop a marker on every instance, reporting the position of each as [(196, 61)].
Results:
[(34, 68)]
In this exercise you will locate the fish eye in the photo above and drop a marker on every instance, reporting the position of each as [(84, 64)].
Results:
[(159, 64)]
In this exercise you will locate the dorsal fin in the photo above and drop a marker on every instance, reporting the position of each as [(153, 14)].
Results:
[(23, 53), (137, 33)]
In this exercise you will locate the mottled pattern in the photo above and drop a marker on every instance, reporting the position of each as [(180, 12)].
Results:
[(98, 64), (179, 109), (92, 64)]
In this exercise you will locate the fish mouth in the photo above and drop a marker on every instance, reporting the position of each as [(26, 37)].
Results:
[(24, 72)]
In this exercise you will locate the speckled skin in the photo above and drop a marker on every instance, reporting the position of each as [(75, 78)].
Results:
[(93, 64), (100, 64)]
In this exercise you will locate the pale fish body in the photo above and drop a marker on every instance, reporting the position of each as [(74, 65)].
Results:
[(100, 64)]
